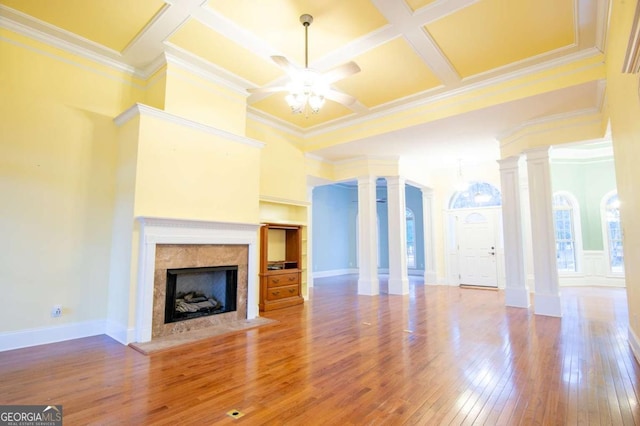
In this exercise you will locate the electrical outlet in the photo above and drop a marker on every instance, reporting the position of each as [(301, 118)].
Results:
[(56, 311)]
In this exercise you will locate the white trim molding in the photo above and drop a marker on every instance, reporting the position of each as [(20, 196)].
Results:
[(155, 231), (45, 335), (595, 272), (141, 109), (334, 273), (634, 342)]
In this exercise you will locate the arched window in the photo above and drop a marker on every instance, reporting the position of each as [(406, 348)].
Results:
[(612, 231), (478, 194), (411, 239), (564, 219)]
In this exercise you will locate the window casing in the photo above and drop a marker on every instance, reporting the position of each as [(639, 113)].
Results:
[(613, 232), (564, 219), (411, 239)]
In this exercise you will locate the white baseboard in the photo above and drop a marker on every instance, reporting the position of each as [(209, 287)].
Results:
[(634, 342), (601, 281), (119, 333), (430, 277), (334, 273), (44, 335)]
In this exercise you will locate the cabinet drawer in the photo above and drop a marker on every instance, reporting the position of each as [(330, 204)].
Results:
[(282, 280), (283, 292)]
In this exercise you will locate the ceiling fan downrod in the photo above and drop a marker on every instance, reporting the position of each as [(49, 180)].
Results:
[(306, 20)]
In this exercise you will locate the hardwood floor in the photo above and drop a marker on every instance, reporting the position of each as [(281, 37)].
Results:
[(441, 355)]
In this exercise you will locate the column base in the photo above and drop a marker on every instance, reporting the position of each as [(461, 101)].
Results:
[(398, 286), (517, 297), (369, 287), (548, 304)]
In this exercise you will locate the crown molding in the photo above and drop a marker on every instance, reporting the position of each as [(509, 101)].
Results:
[(317, 158), (425, 98), (279, 200), (371, 159), (590, 116), (48, 34), (275, 122), (178, 56), (631, 63), (141, 109), (602, 19), (546, 119)]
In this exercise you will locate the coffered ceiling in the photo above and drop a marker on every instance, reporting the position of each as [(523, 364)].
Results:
[(409, 51)]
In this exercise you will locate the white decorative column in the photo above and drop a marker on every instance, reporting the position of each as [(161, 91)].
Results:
[(368, 283), (430, 275), (516, 291), (309, 242), (397, 211), (545, 270)]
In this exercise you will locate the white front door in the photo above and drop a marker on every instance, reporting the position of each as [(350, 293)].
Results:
[(477, 248)]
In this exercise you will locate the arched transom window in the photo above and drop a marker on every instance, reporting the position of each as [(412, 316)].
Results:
[(477, 194)]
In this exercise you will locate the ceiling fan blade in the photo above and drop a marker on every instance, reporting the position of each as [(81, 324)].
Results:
[(284, 63), (272, 89), (341, 98), (340, 72)]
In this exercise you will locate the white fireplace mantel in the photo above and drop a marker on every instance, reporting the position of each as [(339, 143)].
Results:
[(155, 231)]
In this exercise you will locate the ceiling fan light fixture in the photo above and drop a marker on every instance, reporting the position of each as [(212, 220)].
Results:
[(315, 102), (307, 90), (296, 101)]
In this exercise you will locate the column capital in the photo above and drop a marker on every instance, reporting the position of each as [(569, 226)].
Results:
[(395, 180), (367, 179), (509, 163), (539, 153)]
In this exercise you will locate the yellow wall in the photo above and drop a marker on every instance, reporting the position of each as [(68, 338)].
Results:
[(57, 168), (203, 100), (282, 164), (184, 172), (318, 168), (169, 168), (156, 89), (624, 109)]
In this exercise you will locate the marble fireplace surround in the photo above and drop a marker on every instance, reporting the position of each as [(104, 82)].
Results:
[(164, 231)]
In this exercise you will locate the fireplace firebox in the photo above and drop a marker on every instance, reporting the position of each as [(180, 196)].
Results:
[(198, 292)]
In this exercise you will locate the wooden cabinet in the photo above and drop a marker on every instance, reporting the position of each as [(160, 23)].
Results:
[(280, 266)]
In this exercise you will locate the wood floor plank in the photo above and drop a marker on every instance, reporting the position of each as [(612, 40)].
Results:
[(439, 355)]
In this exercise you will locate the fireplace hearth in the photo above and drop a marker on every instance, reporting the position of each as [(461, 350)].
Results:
[(197, 292)]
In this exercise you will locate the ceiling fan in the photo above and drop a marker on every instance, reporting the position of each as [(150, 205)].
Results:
[(309, 88)]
